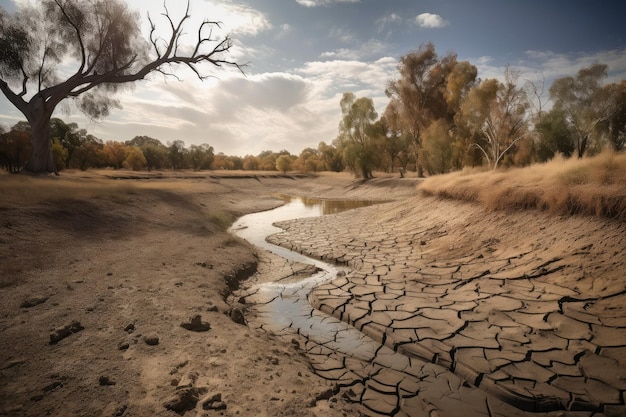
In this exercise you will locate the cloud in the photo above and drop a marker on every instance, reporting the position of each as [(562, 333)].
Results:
[(387, 20), (430, 21), (371, 48), (316, 3)]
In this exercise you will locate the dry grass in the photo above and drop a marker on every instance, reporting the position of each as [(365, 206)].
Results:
[(591, 186), (25, 189)]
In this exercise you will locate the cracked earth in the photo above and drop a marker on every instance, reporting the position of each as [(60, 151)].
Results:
[(455, 311)]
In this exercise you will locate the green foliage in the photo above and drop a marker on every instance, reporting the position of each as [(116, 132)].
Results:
[(357, 134), (283, 163), (135, 160), (59, 153)]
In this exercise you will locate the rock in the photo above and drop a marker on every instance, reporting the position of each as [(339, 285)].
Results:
[(236, 315), (33, 301), (151, 340), (196, 324), (62, 332), (105, 380), (184, 399), (129, 328), (123, 345), (213, 402)]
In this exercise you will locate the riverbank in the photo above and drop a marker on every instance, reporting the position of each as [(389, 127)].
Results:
[(102, 274), (527, 306)]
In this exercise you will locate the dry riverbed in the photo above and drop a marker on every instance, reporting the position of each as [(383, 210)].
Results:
[(114, 299)]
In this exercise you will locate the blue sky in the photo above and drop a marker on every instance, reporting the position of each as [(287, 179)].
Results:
[(304, 54)]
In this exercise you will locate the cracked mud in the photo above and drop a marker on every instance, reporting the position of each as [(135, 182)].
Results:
[(447, 310)]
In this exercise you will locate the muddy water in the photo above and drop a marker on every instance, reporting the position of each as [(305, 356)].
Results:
[(283, 306), (383, 382)]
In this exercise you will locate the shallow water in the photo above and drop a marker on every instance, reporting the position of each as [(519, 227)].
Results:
[(287, 308)]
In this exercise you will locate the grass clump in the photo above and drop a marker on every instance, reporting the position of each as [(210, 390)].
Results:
[(591, 186)]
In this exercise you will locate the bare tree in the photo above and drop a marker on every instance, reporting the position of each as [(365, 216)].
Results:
[(103, 39)]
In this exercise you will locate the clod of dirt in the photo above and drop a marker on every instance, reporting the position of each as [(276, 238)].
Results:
[(61, 333), (213, 402), (151, 340), (196, 324), (105, 380), (184, 399), (34, 301), (236, 315)]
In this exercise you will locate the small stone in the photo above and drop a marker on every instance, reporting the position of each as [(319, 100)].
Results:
[(105, 380), (130, 328), (33, 301), (182, 400), (123, 346), (196, 324), (62, 332), (213, 402), (151, 340), (236, 315)]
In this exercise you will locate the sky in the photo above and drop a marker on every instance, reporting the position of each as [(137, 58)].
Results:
[(302, 55)]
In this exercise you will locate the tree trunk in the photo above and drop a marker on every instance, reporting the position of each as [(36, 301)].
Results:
[(39, 116)]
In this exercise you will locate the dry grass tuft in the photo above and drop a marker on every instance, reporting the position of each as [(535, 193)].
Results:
[(593, 186)]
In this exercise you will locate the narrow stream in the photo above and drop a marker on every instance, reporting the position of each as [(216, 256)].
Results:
[(287, 307)]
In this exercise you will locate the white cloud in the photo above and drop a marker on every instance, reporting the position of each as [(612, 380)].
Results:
[(429, 20), (387, 20), (315, 3)]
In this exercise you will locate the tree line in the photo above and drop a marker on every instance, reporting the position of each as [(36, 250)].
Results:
[(441, 117), (75, 148)]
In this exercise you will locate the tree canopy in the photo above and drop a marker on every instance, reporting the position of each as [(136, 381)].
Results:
[(102, 38)]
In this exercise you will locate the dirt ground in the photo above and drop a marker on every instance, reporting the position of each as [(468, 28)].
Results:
[(112, 298), (114, 286)]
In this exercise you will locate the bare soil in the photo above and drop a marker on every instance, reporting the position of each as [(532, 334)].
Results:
[(112, 299)]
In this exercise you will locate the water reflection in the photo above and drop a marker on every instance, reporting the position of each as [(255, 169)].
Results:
[(324, 207)]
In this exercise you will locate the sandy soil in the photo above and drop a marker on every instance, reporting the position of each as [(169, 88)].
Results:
[(100, 280), (114, 286)]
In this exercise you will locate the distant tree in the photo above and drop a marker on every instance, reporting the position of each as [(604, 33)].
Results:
[(114, 154), (585, 104), (177, 154), (429, 88), (616, 124), (143, 141), (103, 38), (267, 160), (157, 156), (331, 157), (498, 114), (69, 137), (201, 156), (554, 136), (250, 163), (15, 147), (135, 160), (87, 155), (437, 148), (59, 153), (356, 137), (283, 163)]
